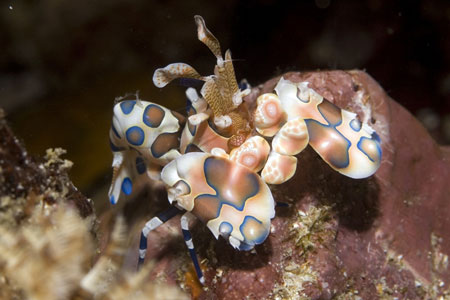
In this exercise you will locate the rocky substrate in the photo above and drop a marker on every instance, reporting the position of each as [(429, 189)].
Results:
[(383, 236)]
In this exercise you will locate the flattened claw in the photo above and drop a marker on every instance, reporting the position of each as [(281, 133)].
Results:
[(149, 128), (349, 147), (233, 202), (365, 151), (143, 137)]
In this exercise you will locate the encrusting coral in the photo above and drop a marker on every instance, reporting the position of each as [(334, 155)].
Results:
[(48, 236), (50, 258), (55, 247)]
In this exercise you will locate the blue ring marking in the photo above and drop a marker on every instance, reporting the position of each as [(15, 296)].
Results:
[(349, 143), (257, 241), (361, 140), (147, 121), (169, 214), (127, 106), (355, 124), (196, 264), (143, 242), (135, 130), (115, 130), (114, 148), (127, 186), (225, 228), (376, 137), (186, 235), (223, 201), (112, 200), (140, 165)]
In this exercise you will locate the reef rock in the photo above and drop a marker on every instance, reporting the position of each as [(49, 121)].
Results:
[(341, 238), (26, 181), (48, 230)]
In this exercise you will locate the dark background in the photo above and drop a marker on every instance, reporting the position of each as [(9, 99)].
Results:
[(63, 62)]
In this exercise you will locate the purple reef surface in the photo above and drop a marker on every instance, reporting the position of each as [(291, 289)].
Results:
[(341, 238)]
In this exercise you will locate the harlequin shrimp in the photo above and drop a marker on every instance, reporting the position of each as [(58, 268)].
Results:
[(210, 167), (296, 115), (143, 137), (234, 203)]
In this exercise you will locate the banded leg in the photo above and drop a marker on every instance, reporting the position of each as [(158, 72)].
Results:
[(154, 223), (188, 240)]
